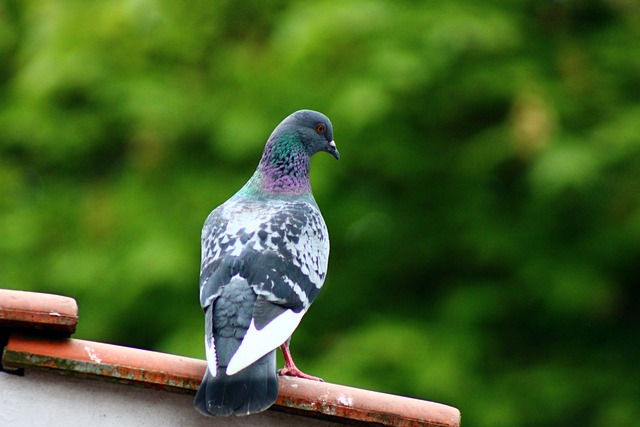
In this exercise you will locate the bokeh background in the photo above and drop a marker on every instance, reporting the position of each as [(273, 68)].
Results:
[(484, 217)]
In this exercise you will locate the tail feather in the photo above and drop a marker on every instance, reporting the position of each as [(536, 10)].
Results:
[(251, 390)]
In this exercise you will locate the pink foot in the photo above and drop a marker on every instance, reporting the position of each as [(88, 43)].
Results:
[(290, 369), (295, 372)]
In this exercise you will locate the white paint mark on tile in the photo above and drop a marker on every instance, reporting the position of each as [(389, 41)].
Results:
[(92, 354), (346, 401)]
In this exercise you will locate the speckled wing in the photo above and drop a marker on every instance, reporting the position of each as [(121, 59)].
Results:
[(279, 248)]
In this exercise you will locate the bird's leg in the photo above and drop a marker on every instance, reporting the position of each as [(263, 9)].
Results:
[(290, 369)]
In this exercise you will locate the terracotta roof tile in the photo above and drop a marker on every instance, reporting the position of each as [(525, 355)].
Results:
[(32, 310), (183, 374)]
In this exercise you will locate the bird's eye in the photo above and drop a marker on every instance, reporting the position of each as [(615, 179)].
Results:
[(320, 128)]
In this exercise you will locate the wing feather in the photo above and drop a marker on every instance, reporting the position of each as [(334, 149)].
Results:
[(257, 343), (281, 251)]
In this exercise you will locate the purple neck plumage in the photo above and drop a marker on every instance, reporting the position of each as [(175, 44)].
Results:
[(284, 168)]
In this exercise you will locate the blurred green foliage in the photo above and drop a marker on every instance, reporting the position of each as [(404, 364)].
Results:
[(485, 215)]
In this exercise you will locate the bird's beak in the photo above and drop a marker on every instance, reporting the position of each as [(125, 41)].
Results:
[(333, 150)]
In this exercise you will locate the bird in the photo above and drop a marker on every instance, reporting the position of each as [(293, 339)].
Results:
[(265, 255)]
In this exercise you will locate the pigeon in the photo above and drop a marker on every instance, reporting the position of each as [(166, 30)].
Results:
[(265, 253)]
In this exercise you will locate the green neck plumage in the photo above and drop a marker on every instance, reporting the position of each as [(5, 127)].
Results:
[(283, 169)]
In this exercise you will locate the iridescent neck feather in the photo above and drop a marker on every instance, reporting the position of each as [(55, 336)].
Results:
[(283, 169)]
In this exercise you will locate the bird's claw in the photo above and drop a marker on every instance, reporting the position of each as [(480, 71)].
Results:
[(295, 372)]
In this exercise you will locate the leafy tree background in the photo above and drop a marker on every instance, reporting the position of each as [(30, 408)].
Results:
[(485, 215)]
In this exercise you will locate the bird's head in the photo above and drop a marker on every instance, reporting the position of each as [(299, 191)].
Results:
[(310, 130), (284, 167)]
